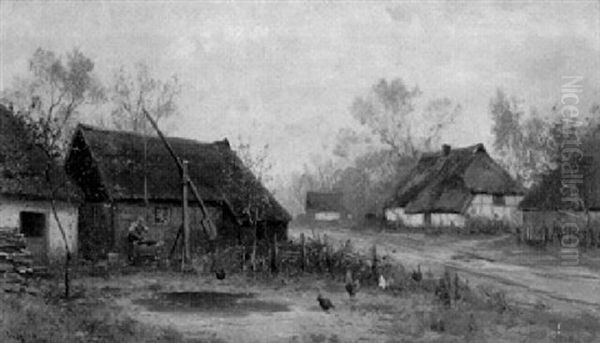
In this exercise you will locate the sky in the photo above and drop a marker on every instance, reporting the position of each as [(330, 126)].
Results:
[(286, 73)]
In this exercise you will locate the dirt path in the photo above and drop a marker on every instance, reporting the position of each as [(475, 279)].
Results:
[(562, 288)]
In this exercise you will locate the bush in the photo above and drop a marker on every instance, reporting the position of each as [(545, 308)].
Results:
[(478, 225)]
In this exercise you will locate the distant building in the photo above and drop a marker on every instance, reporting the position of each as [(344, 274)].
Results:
[(125, 175), (325, 206), (448, 187), (565, 197), (25, 195)]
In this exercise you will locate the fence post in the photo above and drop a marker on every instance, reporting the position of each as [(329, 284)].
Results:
[(374, 265), (324, 251), (274, 262), (242, 257), (303, 252)]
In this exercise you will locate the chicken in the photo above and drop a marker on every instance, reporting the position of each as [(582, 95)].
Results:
[(352, 286), (416, 274), (220, 274), (325, 303), (383, 284)]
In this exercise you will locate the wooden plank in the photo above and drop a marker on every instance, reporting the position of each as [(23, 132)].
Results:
[(186, 218)]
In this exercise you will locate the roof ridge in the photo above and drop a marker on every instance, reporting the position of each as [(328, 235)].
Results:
[(86, 126)]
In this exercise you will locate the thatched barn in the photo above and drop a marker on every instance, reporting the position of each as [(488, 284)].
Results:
[(449, 187), (566, 196), (125, 175), (325, 206), (26, 195)]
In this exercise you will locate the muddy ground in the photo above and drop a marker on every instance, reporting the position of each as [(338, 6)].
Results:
[(549, 303)]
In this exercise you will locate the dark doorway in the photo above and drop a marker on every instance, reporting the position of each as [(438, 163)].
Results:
[(33, 227)]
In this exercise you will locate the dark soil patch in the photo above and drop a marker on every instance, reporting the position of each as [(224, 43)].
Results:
[(230, 304)]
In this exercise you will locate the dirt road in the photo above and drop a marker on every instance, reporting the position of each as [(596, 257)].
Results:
[(528, 276)]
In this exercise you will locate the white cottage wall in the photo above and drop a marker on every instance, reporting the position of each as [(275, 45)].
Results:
[(10, 210), (447, 219), (327, 216), (398, 214)]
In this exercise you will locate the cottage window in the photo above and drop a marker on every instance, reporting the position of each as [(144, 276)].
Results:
[(498, 200), (162, 215), (33, 224)]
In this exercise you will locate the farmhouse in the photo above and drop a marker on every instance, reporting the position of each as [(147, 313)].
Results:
[(125, 176), (325, 206), (26, 197), (566, 196), (448, 187)]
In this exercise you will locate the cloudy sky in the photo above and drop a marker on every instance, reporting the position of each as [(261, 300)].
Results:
[(285, 73)]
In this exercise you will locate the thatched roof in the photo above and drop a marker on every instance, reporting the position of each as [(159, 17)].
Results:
[(324, 201), (553, 192), (23, 165), (446, 181), (112, 165)]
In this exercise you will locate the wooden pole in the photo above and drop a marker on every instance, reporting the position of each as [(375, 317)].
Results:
[(374, 265), (303, 254), (275, 261), (211, 230), (185, 210)]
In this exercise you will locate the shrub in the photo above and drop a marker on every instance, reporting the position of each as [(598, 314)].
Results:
[(479, 225)]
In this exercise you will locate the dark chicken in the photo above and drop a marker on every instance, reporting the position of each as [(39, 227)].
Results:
[(325, 303)]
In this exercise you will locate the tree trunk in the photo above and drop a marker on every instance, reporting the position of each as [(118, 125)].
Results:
[(67, 250), (254, 247)]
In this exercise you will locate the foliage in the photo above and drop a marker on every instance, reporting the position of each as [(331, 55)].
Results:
[(257, 161), (393, 114), (53, 94), (481, 225), (133, 91), (526, 145)]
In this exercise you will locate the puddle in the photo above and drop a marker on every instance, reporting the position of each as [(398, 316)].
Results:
[(233, 304)]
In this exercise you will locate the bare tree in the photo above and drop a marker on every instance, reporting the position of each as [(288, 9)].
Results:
[(393, 114), (255, 201), (133, 91), (526, 146), (53, 93), (385, 111), (47, 104)]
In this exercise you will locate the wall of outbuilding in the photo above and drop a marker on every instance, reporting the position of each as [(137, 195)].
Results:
[(10, 211), (398, 214), (483, 206)]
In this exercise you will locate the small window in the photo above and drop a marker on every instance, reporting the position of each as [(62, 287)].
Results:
[(162, 215), (498, 200), (33, 224)]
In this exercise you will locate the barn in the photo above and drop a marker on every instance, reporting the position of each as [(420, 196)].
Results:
[(448, 187), (325, 206), (125, 175), (568, 196), (26, 197)]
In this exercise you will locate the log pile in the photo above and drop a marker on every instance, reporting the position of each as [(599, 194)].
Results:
[(15, 261)]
